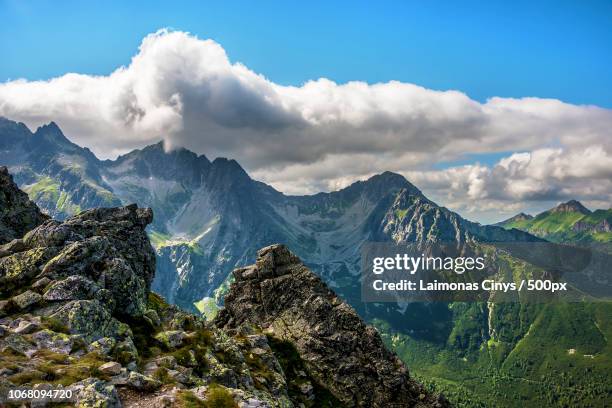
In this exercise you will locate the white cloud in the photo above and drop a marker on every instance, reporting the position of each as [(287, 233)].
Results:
[(322, 135), (524, 181)]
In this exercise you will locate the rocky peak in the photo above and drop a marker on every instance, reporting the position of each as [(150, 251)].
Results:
[(380, 185), (18, 214), (52, 133), (228, 171), (76, 311), (156, 161), (10, 129), (516, 218), (571, 206), (104, 250), (521, 217), (286, 299)]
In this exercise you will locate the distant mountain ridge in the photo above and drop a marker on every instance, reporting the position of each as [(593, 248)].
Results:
[(210, 215), (569, 222)]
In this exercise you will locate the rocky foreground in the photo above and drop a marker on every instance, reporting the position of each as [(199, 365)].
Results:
[(76, 311)]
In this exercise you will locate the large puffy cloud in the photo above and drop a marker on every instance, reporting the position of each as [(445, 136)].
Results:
[(320, 135)]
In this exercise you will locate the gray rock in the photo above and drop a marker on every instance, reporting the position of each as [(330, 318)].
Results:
[(142, 382), (94, 393), (4, 307), (18, 344), (41, 283), (152, 317), (18, 214), (171, 338), (103, 346), (16, 245), (166, 361), (88, 318), (127, 347), (26, 299), (110, 368), (26, 327), (75, 287), (57, 342)]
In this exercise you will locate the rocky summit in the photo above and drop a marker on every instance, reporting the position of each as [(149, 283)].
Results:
[(279, 294), (77, 312)]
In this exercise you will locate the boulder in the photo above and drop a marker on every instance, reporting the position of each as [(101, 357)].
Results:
[(26, 299), (95, 393), (75, 287), (56, 342), (172, 338), (141, 382), (110, 368)]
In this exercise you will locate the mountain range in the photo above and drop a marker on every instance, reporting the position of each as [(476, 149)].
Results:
[(569, 222), (210, 217)]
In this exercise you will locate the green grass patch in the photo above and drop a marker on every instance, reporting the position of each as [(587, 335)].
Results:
[(45, 189), (207, 307), (401, 214)]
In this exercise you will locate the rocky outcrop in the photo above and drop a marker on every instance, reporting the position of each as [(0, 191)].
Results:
[(281, 295), (76, 311), (601, 226), (95, 265), (18, 214)]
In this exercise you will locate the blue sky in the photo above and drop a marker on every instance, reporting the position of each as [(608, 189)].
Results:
[(487, 158), (560, 49)]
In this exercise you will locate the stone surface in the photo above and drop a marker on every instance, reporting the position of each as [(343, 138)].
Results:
[(110, 368), (74, 287), (56, 342), (94, 393), (26, 327), (142, 382), (171, 338), (26, 299)]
